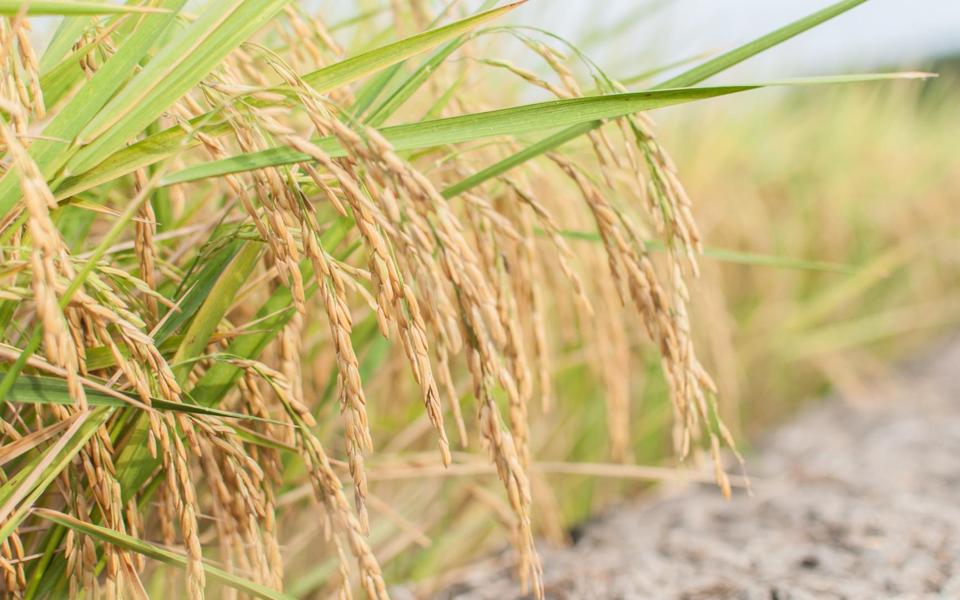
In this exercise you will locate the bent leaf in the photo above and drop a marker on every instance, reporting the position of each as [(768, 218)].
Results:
[(73, 8), (351, 69), (122, 540), (38, 389), (508, 121)]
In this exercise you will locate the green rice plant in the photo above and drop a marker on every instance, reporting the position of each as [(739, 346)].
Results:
[(236, 254)]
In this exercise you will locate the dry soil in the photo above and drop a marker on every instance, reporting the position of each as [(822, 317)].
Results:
[(857, 500)]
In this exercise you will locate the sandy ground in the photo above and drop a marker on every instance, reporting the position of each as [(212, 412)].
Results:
[(857, 500)]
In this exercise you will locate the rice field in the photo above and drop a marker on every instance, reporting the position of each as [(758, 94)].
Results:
[(293, 307)]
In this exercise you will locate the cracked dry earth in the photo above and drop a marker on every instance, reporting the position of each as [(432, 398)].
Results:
[(855, 500)]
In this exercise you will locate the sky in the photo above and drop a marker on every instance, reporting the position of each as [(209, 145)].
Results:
[(647, 33), (879, 33)]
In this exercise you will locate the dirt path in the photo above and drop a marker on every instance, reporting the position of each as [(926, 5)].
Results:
[(858, 501)]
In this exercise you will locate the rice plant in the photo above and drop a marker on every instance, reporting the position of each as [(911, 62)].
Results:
[(249, 271)]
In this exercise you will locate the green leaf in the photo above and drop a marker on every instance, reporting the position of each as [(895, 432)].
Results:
[(518, 158), (38, 389), (59, 79), (409, 87), (507, 121), (653, 72), (144, 153), (777, 262), (351, 69), (215, 306), (370, 91), (122, 540), (372, 88), (199, 290), (71, 8), (63, 39)]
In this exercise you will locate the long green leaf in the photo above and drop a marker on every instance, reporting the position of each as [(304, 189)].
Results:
[(144, 153), (37, 389), (518, 158), (59, 79), (63, 39), (409, 87), (122, 540), (351, 69), (71, 8), (200, 289), (757, 259), (520, 119), (215, 306), (507, 121)]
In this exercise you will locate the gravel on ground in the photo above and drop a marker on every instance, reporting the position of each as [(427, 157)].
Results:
[(854, 500)]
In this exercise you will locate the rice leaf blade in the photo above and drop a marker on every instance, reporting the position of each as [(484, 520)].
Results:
[(521, 119), (39, 389), (157, 553), (212, 311), (69, 30), (351, 69), (71, 8)]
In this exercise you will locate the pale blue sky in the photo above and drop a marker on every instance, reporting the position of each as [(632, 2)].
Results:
[(877, 33), (904, 33)]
